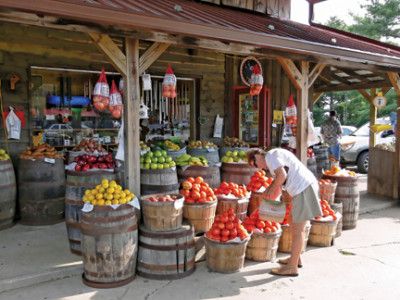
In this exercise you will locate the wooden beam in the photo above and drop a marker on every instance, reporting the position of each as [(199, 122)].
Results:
[(316, 96), (354, 86), (302, 113), (395, 81), (111, 50), (315, 73), (131, 116), (385, 90), (373, 112), (151, 55), (292, 72), (366, 95)]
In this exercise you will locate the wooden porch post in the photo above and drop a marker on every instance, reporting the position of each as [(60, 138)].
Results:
[(131, 116)]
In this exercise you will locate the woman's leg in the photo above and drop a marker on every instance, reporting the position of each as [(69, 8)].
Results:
[(297, 230)]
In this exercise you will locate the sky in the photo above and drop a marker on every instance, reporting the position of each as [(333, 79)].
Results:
[(324, 10)]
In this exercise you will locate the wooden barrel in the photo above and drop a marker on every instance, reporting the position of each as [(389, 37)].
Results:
[(225, 257), (175, 154), (239, 206), (223, 150), (77, 183), (8, 194), (338, 208), (322, 234), (162, 216), (254, 202), (109, 246), (210, 174), (321, 157), (210, 154), (348, 194), (285, 242), (200, 216), (312, 165), (263, 246), (158, 181), (166, 255), (237, 173), (41, 191)]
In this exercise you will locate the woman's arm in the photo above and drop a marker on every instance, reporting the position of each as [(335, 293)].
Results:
[(280, 177)]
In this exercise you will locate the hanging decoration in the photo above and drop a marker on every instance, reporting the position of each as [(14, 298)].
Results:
[(116, 105), (246, 69), (256, 81), (169, 84), (101, 93), (291, 115)]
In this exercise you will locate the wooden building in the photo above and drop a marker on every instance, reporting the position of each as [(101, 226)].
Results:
[(204, 41)]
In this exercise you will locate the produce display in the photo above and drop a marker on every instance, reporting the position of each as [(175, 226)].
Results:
[(235, 142), (227, 227), (89, 146), (4, 155), (326, 210), (157, 159), (40, 151), (88, 162), (166, 198), (144, 147), (188, 160), (196, 190), (171, 146), (259, 180), (235, 157), (231, 188), (201, 145), (337, 171), (253, 222), (107, 193)]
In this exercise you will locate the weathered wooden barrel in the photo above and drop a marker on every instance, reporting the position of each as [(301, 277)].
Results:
[(338, 208), (312, 166), (77, 183), (109, 246), (41, 191), (200, 216), (223, 150), (162, 216), (348, 194), (210, 154), (158, 181), (210, 174), (175, 154), (237, 173), (327, 191), (225, 257), (321, 157), (254, 202), (239, 206), (8, 194), (322, 234), (263, 246), (166, 255), (285, 242)]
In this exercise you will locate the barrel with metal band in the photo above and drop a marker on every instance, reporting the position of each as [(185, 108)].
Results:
[(8, 193)]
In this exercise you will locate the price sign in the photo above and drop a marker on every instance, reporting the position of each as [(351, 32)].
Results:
[(379, 101)]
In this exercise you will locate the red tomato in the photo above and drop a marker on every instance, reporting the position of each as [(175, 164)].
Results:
[(190, 179), (229, 225), (198, 180), (260, 224), (186, 185), (231, 218), (185, 193), (233, 232), (224, 239), (225, 232), (216, 231), (203, 195), (221, 225), (189, 200), (217, 219), (224, 218), (195, 195)]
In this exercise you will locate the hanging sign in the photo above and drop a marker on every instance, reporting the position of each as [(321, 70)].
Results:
[(379, 101), (278, 117)]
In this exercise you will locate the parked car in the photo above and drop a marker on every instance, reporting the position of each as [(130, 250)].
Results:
[(355, 146), (55, 130), (347, 130)]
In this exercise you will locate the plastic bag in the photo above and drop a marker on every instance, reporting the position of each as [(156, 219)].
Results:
[(101, 93), (13, 124), (116, 105), (312, 137), (291, 112), (256, 81), (169, 84)]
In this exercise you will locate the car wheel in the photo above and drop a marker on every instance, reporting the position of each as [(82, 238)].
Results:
[(362, 162)]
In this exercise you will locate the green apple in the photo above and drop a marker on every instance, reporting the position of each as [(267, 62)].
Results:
[(142, 159), (164, 153), (230, 160), (147, 160), (155, 159), (236, 159), (168, 159), (150, 154), (161, 160), (166, 165), (242, 153), (157, 153), (228, 153), (235, 153), (172, 164), (160, 166), (147, 166), (154, 166), (142, 166)]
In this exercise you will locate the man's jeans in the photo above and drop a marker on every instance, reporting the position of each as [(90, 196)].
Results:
[(334, 151)]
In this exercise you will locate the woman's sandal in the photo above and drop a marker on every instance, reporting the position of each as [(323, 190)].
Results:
[(284, 271), (284, 261)]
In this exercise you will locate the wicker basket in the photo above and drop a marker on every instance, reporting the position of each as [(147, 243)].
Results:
[(201, 216), (322, 233), (263, 246), (327, 191), (285, 242)]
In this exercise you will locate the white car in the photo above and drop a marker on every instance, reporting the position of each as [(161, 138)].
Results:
[(55, 130), (347, 130), (355, 146)]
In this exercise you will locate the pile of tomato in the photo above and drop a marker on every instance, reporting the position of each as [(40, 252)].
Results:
[(326, 210), (226, 227), (259, 180), (232, 188), (253, 221), (196, 190)]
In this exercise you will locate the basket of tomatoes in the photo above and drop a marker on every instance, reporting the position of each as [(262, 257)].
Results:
[(232, 196), (259, 182)]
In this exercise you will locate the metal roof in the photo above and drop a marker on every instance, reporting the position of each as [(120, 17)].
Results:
[(204, 20)]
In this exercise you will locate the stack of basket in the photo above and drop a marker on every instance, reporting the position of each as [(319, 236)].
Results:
[(166, 247)]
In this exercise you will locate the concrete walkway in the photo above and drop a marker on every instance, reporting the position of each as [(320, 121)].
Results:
[(364, 263)]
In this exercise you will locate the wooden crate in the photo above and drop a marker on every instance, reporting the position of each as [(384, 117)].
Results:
[(382, 179)]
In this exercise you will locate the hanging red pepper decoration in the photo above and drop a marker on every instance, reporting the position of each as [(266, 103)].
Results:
[(115, 106), (101, 92), (169, 83), (256, 81)]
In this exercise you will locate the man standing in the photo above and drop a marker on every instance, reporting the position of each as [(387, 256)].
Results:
[(331, 131)]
